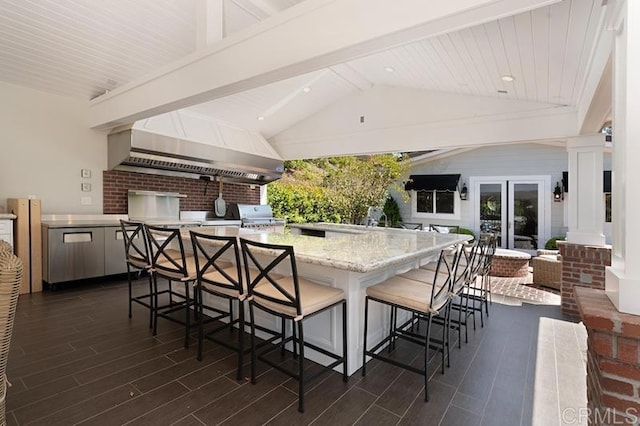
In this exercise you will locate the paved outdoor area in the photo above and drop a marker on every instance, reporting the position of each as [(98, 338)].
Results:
[(515, 291)]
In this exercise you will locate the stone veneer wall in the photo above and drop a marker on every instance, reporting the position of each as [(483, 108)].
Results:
[(613, 367), (582, 266), (116, 183)]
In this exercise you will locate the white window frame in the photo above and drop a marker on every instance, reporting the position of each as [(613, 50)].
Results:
[(446, 216)]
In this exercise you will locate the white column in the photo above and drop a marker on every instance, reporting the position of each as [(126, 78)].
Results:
[(586, 201), (622, 282)]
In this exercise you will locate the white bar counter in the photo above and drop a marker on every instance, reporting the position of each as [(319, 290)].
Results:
[(351, 262)]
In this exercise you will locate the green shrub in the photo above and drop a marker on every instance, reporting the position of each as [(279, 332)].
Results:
[(466, 231), (392, 210), (551, 243)]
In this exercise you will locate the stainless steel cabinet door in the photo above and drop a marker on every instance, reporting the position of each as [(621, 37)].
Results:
[(114, 257), (75, 253)]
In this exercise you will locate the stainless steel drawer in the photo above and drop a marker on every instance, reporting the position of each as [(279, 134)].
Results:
[(74, 254)]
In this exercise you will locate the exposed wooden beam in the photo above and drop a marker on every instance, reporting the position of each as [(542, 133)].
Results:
[(209, 22), (312, 35), (554, 124)]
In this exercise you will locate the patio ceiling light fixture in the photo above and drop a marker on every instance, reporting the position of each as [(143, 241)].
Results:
[(557, 193)]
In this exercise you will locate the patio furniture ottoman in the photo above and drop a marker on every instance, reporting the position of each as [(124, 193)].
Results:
[(547, 269)]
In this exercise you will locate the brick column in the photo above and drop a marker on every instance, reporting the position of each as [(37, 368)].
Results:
[(582, 266), (613, 366)]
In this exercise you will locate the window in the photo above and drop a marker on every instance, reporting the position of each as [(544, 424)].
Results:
[(438, 202), (607, 207)]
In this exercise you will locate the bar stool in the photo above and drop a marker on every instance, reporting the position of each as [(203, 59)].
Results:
[(426, 301), (219, 278), (136, 251), (290, 298), (467, 261), (173, 265)]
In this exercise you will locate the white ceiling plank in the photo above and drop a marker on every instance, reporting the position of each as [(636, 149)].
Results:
[(595, 66), (351, 76), (481, 37), (594, 24), (540, 20), (479, 65), (496, 42), (238, 68), (425, 65), (462, 74), (527, 59), (440, 72), (512, 48), (250, 7), (558, 25), (577, 32)]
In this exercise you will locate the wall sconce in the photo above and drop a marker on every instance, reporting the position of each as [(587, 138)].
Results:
[(464, 192), (557, 193)]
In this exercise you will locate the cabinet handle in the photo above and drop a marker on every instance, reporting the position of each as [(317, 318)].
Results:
[(77, 237)]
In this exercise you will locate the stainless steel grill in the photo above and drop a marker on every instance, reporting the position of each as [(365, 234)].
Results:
[(260, 216)]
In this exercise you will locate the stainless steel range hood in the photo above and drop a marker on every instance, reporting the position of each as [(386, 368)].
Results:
[(185, 144)]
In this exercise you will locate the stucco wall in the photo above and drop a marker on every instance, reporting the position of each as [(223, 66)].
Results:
[(45, 144)]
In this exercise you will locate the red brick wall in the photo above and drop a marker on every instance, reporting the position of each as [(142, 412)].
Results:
[(581, 264), (613, 367), (116, 183)]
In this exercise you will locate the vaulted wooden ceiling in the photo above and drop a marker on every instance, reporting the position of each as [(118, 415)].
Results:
[(86, 48)]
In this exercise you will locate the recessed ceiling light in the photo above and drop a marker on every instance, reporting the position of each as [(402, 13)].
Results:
[(507, 78), (389, 69), (260, 117), (307, 89), (502, 91)]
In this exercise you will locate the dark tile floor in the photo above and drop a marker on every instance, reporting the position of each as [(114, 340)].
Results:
[(76, 358)]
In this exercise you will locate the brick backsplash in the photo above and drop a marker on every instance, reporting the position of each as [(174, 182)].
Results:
[(117, 183)]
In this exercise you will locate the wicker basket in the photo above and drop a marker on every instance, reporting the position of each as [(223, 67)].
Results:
[(10, 276), (5, 246)]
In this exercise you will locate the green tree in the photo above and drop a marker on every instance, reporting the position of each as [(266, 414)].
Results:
[(337, 189)]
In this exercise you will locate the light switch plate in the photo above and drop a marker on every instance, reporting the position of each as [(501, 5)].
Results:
[(85, 173), (86, 187), (85, 201)]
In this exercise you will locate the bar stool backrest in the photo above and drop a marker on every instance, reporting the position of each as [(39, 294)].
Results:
[(136, 248), (259, 271), (164, 258), (211, 253), (462, 269), (491, 243), (477, 259), (443, 281)]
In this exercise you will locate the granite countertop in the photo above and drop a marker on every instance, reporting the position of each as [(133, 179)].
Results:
[(9, 216), (364, 252)]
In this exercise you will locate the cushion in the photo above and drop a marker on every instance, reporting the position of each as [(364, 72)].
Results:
[(405, 292), (313, 297)]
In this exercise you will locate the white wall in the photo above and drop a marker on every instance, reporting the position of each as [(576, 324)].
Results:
[(45, 143), (506, 160)]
